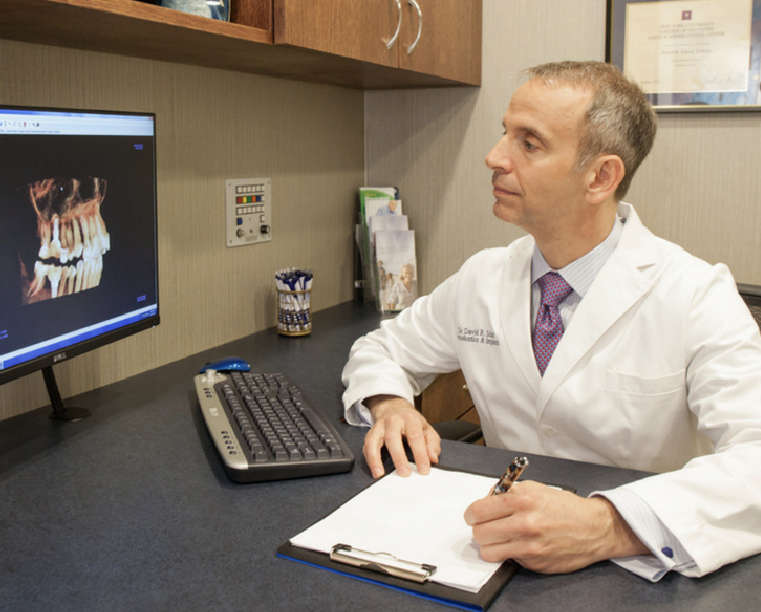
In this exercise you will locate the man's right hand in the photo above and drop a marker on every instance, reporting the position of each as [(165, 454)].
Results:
[(395, 418)]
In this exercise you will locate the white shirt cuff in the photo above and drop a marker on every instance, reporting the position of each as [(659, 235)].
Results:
[(359, 415), (667, 552)]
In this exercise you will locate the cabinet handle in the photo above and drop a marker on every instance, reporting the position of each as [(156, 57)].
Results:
[(414, 4), (392, 40)]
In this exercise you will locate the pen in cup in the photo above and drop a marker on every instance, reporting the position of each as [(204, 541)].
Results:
[(512, 473)]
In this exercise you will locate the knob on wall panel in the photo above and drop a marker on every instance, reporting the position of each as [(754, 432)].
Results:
[(248, 204)]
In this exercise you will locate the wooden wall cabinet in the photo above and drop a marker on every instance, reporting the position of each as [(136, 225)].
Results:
[(341, 42), (450, 39), (357, 30), (433, 37)]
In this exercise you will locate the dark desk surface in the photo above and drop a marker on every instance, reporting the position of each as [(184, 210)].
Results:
[(131, 510)]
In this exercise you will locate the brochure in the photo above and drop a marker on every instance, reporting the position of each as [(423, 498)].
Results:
[(396, 269)]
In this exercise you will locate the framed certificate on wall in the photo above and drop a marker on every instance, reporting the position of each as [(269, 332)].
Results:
[(689, 55)]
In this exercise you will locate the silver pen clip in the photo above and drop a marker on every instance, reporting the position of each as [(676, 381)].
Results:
[(384, 563)]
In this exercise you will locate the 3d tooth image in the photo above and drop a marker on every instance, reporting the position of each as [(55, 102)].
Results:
[(77, 250), (54, 276), (79, 284), (71, 279), (40, 274), (72, 237)]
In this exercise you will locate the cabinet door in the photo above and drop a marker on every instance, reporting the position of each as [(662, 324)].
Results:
[(357, 30), (450, 39), (447, 399)]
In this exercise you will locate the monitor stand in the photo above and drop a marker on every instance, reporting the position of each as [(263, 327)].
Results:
[(61, 412)]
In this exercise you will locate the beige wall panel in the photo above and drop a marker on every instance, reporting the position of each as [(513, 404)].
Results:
[(212, 125), (700, 187)]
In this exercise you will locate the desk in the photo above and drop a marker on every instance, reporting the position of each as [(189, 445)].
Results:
[(131, 510)]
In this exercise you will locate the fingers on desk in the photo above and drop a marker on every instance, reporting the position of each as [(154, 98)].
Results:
[(390, 432)]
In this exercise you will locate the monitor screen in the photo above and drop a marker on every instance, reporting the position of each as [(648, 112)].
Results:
[(78, 237)]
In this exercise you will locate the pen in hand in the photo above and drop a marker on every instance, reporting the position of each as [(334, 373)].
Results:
[(513, 471)]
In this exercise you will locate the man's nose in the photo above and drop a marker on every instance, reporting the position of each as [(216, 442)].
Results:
[(498, 158)]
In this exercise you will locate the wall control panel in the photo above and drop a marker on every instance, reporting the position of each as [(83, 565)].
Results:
[(248, 203)]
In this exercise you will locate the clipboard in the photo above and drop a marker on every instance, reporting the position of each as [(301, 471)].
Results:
[(447, 595), (383, 569)]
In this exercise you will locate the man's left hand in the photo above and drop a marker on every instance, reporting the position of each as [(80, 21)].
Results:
[(548, 530)]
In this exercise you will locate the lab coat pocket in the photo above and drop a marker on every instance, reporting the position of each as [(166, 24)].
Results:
[(652, 431), (634, 384)]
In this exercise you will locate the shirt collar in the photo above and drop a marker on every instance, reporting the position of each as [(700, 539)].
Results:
[(580, 273)]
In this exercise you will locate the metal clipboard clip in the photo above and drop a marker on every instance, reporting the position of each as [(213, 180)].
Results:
[(384, 563)]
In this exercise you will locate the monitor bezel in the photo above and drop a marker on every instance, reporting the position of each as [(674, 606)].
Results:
[(47, 360)]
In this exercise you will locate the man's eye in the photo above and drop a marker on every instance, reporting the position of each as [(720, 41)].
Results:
[(528, 145)]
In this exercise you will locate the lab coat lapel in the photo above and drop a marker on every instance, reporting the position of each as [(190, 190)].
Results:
[(627, 276), (515, 301)]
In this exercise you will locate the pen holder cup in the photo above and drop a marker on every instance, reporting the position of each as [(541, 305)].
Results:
[(294, 312)]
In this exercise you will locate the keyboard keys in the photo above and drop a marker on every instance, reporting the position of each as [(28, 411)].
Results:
[(277, 431)]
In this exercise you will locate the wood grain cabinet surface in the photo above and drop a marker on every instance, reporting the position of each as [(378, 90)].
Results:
[(341, 42), (441, 38), (450, 39), (357, 30), (447, 399)]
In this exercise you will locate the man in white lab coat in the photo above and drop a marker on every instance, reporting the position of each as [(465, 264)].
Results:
[(650, 360)]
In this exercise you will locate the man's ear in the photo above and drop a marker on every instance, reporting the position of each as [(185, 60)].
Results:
[(603, 177)]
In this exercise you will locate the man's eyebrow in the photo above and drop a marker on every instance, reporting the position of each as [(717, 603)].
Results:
[(527, 131), (534, 133)]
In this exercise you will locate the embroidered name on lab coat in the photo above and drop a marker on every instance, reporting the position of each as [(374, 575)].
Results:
[(478, 335)]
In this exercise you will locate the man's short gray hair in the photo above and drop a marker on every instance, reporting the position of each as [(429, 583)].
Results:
[(619, 120)]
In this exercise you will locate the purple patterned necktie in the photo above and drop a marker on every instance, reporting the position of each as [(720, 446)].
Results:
[(549, 326)]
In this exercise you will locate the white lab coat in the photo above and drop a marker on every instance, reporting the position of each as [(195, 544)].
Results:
[(658, 370)]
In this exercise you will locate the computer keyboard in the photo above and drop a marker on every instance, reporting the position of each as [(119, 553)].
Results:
[(264, 429)]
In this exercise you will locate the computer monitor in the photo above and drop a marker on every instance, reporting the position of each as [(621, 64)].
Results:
[(78, 236)]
